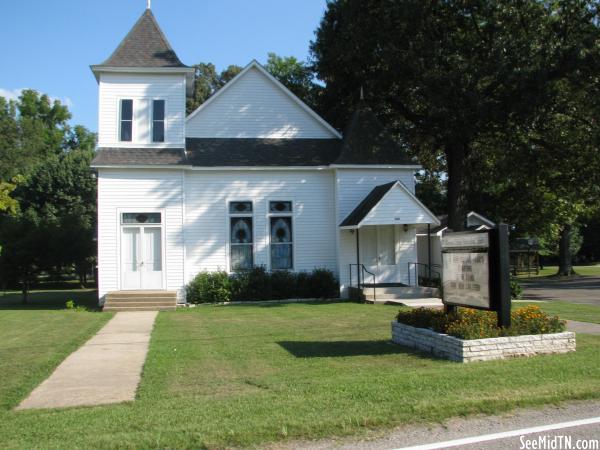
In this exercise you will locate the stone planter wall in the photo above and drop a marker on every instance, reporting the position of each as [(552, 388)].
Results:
[(461, 350)]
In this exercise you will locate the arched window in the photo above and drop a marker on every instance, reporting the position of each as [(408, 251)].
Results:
[(281, 235), (241, 237)]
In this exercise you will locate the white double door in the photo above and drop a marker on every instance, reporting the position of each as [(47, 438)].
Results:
[(141, 257), (378, 252)]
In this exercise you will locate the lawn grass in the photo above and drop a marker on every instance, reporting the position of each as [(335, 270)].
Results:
[(241, 376), (49, 299), (34, 342), (566, 310), (592, 270)]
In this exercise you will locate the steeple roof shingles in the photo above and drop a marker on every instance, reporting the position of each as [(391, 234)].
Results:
[(144, 46)]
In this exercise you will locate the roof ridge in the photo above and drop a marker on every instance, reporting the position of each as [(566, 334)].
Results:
[(122, 43), (159, 29)]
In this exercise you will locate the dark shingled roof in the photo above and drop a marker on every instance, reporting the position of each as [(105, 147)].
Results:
[(144, 46), (369, 202), (366, 141), (139, 156), (224, 152)]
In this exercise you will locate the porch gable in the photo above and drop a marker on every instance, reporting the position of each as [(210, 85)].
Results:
[(389, 204)]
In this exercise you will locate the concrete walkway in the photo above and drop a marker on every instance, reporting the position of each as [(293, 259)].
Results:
[(574, 290), (583, 327), (106, 369)]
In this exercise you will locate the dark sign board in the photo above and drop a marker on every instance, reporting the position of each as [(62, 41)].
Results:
[(475, 271)]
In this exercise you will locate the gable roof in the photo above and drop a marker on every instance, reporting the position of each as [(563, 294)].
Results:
[(443, 226), (374, 198), (483, 221), (144, 46), (366, 141), (277, 84)]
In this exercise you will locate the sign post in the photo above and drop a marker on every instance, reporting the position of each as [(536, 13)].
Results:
[(476, 272)]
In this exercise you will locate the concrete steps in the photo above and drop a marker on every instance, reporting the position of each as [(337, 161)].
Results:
[(399, 293), (141, 301)]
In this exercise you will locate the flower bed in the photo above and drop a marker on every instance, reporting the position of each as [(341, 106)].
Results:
[(473, 335)]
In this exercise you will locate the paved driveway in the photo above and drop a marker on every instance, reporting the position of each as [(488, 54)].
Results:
[(577, 290)]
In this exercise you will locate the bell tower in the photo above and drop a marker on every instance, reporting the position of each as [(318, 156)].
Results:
[(142, 90)]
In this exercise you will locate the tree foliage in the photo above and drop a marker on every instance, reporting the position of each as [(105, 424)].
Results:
[(207, 81), (296, 75), (447, 75), (32, 129), (53, 202)]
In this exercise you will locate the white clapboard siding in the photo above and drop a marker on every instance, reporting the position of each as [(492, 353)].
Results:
[(352, 186), (396, 207), (207, 224), (136, 191), (254, 107), (142, 89)]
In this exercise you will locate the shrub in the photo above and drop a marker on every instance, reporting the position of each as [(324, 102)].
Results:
[(253, 284), (209, 287), (474, 324), (72, 306), (284, 285), (515, 288), (258, 284)]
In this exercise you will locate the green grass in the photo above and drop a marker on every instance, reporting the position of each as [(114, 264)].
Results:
[(33, 343), (49, 299), (246, 375), (548, 271), (571, 311)]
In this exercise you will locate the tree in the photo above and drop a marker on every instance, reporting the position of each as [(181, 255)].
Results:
[(297, 76), (8, 205), (31, 129), (444, 74), (52, 228), (544, 176), (431, 190), (207, 81)]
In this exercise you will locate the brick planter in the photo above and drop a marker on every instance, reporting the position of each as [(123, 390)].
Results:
[(461, 350)]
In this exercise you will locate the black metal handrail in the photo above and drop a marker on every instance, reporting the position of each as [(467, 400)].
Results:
[(362, 272), (416, 268)]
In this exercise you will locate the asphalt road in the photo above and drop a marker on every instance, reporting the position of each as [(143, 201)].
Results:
[(577, 290), (478, 427)]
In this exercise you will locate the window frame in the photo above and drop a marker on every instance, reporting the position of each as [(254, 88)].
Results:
[(152, 121), (292, 216), (121, 120), (234, 215)]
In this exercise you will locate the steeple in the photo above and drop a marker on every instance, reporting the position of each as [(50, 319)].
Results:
[(145, 46), (366, 141)]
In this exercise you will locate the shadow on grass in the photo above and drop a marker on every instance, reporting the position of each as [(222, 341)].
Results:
[(329, 349), (50, 299)]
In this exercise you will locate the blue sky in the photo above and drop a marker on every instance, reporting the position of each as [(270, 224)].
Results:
[(49, 45)]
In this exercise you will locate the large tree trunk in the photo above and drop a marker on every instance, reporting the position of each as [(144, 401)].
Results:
[(565, 261), (457, 208)]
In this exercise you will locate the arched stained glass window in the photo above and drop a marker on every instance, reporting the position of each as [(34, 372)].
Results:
[(281, 243), (241, 242)]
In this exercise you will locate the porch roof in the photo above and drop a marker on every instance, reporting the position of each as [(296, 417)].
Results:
[(389, 204)]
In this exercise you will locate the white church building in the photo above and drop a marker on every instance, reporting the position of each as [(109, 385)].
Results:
[(253, 177)]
